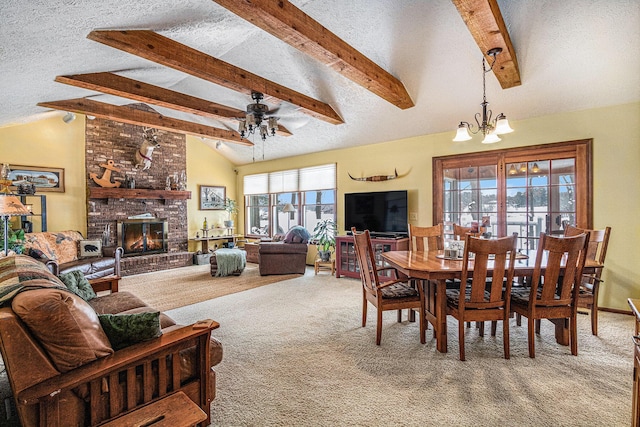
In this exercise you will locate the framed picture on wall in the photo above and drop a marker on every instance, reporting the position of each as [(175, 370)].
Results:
[(44, 178), (212, 197)]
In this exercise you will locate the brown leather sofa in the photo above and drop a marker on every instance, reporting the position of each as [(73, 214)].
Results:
[(62, 377), (60, 252), (282, 258)]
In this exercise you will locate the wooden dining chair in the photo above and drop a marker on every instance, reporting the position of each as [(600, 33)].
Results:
[(590, 284), (554, 291), (459, 232), (394, 294), (425, 239), (481, 299)]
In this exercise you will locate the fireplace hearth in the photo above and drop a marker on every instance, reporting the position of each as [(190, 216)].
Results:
[(143, 236)]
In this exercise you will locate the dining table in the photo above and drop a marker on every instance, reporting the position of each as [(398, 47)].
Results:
[(433, 269)]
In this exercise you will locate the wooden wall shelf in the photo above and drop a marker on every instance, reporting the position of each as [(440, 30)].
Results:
[(135, 193)]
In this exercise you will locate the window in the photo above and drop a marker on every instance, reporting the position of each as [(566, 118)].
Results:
[(311, 191), (525, 190)]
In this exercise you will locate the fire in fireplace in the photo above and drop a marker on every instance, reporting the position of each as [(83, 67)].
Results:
[(143, 236)]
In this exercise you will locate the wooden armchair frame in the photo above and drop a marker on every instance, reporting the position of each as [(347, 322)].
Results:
[(373, 288), (111, 386)]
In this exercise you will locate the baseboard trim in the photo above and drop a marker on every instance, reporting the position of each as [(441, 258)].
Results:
[(615, 310)]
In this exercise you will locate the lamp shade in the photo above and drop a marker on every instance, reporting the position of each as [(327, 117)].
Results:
[(11, 206), (490, 138), (462, 134), (502, 126), (288, 208)]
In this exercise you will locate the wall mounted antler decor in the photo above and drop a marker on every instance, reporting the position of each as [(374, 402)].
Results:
[(376, 178)]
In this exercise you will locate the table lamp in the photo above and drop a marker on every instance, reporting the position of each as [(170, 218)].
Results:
[(288, 208), (10, 206)]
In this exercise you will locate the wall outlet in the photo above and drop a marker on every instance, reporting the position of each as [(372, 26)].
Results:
[(413, 216)]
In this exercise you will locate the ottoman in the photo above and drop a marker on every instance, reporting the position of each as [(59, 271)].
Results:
[(228, 262)]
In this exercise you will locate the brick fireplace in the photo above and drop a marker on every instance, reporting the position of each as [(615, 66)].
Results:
[(109, 140)]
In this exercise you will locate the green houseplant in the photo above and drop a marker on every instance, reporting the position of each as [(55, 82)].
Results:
[(15, 242), (232, 208), (325, 235)]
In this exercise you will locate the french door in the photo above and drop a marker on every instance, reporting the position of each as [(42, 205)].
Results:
[(526, 190)]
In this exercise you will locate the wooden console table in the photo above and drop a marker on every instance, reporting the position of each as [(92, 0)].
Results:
[(228, 238)]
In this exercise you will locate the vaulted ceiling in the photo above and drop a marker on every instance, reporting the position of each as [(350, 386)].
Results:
[(340, 73)]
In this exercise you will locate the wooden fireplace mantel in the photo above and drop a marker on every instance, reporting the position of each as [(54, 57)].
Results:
[(135, 193)]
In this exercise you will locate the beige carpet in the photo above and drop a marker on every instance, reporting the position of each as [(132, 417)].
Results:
[(295, 355), (178, 287)]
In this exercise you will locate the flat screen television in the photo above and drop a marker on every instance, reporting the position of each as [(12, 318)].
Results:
[(383, 213)]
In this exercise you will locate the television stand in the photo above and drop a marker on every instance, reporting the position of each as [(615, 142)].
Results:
[(346, 263), (384, 235)]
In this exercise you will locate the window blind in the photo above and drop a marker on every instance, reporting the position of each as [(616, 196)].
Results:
[(256, 184), (321, 177)]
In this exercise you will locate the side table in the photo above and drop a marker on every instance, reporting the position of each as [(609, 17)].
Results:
[(330, 265)]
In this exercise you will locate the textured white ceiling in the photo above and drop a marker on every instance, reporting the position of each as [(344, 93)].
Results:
[(573, 55)]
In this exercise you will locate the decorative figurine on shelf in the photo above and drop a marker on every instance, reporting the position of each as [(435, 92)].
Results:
[(105, 179), (167, 183), (197, 235)]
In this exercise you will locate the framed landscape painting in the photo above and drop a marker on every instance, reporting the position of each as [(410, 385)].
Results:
[(212, 198), (44, 178)]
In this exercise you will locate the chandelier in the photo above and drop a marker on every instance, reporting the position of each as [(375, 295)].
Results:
[(256, 114), (489, 128)]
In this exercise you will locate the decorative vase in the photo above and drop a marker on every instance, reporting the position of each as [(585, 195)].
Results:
[(228, 224)]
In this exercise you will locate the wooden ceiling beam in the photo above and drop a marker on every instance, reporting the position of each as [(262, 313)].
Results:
[(291, 25), (484, 20), (162, 50), (134, 116), (124, 87)]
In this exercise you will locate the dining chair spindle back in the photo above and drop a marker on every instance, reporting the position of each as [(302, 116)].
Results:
[(590, 284), (486, 294), (554, 291), (393, 294)]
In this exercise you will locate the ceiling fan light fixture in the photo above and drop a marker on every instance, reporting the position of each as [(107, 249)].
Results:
[(256, 114)]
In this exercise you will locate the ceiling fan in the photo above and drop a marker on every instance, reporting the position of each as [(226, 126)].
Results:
[(256, 114)]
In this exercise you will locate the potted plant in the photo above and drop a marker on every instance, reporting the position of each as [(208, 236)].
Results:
[(15, 242), (325, 235), (232, 208)]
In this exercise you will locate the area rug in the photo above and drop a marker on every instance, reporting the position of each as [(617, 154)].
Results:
[(169, 289), (295, 354)]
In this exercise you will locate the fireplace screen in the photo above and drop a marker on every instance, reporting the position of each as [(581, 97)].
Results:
[(142, 236)]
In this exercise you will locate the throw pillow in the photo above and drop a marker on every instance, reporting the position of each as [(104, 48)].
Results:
[(124, 330), (78, 284), (90, 248), (297, 234), (66, 326)]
